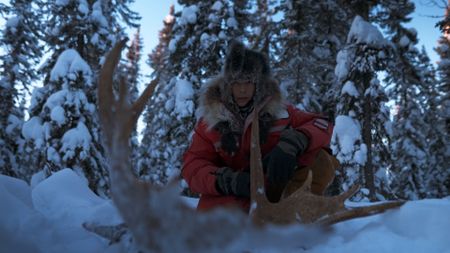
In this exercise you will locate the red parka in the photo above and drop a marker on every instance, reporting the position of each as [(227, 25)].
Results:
[(205, 154)]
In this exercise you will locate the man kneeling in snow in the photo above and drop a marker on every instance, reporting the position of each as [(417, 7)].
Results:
[(216, 165)]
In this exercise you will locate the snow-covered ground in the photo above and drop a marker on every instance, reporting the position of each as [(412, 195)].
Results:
[(48, 218)]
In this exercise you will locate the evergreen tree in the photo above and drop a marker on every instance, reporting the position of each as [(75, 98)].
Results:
[(131, 67), (158, 60), (20, 41), (78, 34), (245, 19), (407, 79), (411, 129), (159, 56), (200, 38), (438, 114), (262, 26), (309, 44), (362, 119), (132, 75)]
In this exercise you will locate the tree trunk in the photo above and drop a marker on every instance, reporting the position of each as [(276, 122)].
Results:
[(367, 139)]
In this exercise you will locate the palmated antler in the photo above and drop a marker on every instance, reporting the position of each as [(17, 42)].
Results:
[(302, 206)]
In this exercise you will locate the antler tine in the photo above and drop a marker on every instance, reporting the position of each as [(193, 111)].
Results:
[(105, 89), (257, 193), (139, 105), (105, 94), (359, 212), (350, 192), (109, 108)]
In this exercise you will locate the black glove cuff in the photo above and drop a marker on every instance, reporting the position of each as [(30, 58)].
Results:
[(229, 182), (223, 180), (241, 188)]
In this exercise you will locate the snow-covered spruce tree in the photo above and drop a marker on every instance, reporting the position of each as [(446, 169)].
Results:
[(63, 126), (200, 37), (198, 43), (21, 52), (91, 28), (130, 66), (261, 26), (407, 80), (311, 34), (362, 122), (411, 168), (158, 61), (438, 115), (245, 19)]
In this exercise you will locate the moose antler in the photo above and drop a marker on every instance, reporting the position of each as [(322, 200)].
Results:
[(301, 206)]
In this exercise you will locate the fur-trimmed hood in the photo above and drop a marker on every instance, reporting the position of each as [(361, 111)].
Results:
[(218, 106), (241, 64), (218, 109), (224, 117)]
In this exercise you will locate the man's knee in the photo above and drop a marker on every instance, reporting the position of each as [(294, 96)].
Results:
[(323, 170)]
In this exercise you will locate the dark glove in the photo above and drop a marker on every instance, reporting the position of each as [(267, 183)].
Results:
[(230, 182), (281, 163)]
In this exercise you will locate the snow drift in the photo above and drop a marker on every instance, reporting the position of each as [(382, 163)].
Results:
[(48, 218)]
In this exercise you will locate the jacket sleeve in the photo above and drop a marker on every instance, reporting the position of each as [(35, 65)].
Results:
[(318, 129), (200, 162)]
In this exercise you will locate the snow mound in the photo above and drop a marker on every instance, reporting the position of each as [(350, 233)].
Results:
[(73, 203), (49, 217), (419, 226)]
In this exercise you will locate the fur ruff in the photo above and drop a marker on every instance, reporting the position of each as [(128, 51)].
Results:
[(219, 111)]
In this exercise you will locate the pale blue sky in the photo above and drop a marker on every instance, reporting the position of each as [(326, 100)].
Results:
[(152, 12), (425, 25)]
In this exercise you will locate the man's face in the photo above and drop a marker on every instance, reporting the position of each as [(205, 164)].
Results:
[(243, 92)]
